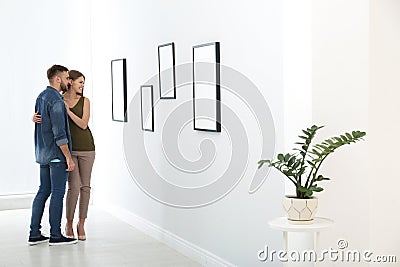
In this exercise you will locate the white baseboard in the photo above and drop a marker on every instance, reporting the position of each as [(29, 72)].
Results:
[(12, 202), (203, 257)]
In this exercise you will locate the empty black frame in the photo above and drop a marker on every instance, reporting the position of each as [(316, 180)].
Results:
[(166, 71), (213, 56), (150, 108), (119, 90)]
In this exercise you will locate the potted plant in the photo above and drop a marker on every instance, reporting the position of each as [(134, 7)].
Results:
[(302, 168)]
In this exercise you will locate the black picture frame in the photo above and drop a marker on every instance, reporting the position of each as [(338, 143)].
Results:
[(166, 71), (143, 112), (214, 56), (119, 90)]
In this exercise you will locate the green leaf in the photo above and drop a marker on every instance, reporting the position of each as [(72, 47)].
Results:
[(337, 139), (316, 152), (317, 147), (303, 189), (323, 147), (321, 178), (358, 134), (315, 128), (316, 189), (291, 160), (312, 164), (330, 142), (287, 157), (306, 191), (281, 157), (297, 164), (309, 193), (261, 162)]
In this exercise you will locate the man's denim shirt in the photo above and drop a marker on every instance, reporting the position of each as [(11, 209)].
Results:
[(53, 131)]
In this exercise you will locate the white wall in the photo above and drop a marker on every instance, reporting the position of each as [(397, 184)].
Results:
[(355, 81), (340, 101), (384, 126), (297, 72), (35, 35), (234, 228)]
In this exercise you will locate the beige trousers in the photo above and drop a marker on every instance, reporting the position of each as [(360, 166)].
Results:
[(79, 184)]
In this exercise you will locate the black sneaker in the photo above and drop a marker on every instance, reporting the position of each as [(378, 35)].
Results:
[(37, 240), (62, 240)]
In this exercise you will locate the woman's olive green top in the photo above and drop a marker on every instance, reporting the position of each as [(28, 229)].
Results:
[(82, 140)]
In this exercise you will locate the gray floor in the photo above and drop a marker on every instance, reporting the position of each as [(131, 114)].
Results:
[(110, 242)]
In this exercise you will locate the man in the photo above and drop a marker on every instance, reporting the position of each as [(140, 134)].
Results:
[(53, 153)]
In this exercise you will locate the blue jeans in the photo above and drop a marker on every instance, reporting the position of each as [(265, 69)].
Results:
[(53, 179)]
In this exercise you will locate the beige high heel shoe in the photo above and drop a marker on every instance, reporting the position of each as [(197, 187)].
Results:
[(68, 231), (80, 236)]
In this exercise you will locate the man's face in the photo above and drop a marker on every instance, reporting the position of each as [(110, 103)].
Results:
[(64, 77)]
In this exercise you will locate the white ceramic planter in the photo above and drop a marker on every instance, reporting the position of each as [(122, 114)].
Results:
[(300, 211)]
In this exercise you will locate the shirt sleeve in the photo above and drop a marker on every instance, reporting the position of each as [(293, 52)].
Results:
[(58, 123)]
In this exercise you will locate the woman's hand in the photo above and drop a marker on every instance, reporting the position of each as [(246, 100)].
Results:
[(37, 118)]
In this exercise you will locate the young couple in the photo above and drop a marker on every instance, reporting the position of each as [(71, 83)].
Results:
[(64, 148)]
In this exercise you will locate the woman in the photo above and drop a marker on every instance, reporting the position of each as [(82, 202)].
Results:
[(83, 153)]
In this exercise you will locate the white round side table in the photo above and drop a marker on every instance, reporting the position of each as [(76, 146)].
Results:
[(300, 237)]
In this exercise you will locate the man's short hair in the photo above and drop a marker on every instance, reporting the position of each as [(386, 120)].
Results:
[(55, 70)]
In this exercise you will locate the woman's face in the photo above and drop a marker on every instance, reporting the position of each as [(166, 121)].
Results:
[(78, 85)]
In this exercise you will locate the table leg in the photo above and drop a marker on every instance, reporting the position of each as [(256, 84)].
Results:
[(301, 249)]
